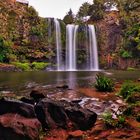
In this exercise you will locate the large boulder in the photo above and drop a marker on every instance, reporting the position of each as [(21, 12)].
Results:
[(64, 114), (14, 106), (51, 113), (16, 127)]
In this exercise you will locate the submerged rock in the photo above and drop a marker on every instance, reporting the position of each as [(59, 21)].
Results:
[(54, 114), (16, 127), (14, 106)]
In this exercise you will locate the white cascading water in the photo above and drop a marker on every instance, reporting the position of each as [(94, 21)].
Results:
[(71, 46), (71, 32), (58, 45), (93, 49)]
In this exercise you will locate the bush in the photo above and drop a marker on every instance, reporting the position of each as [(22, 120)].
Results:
[(22, 66), (5, 49), (107, 118), (111, 122), (131, 69), (104, 83), (128, 88), (39, 65)]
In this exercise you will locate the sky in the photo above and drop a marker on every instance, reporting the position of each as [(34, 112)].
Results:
[(56, 8)]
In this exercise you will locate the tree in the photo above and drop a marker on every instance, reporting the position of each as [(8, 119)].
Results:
[(84, 10), (128, 5), (96, 10), (129, 19), (69, 18)]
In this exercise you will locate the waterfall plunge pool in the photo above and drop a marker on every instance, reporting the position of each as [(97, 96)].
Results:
[(22, 81)]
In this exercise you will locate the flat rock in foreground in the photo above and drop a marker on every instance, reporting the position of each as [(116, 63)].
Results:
[(16, 127)]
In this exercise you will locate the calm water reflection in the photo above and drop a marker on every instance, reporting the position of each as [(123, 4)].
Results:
[(18, 81)]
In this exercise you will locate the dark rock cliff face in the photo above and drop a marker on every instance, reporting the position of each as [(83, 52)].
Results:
[(110, 41)]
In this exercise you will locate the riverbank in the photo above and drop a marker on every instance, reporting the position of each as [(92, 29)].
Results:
[(124, 122)]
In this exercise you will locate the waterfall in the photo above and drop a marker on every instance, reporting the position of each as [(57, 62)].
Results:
[(93, 49), (58, 45), (71, 32), (72, 57)]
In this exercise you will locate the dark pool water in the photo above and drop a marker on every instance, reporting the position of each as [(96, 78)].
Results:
[(18, 81)]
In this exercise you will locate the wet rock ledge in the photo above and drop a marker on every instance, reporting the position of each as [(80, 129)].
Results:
[(23, 120)]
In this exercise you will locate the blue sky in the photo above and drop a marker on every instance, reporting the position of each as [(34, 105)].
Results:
[(56, 8)]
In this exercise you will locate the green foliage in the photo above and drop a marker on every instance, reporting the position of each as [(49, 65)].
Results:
[(128, 5), (109, 121), (107, 118), (125, 54), (22, 66), (12, 57), (31, 12), (5, 49), (36, 31), (131, 69), (128, 88), (132, 40), (83, 10), (69, 18), (97, 10), (104, 83), (39, 65)]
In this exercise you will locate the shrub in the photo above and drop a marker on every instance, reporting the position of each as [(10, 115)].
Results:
[(5, 49), (22, 66), (107, 118), (39, 65), (111, 122), (128, 88), (104, 83), (121, 121), (131, 69)]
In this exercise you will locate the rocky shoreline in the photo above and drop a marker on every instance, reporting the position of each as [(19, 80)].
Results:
[(24, 119), (49, 117)]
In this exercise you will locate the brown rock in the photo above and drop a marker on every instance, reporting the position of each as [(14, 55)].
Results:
[(37, 95), (54, 114), (16, 127), (14, 106)]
